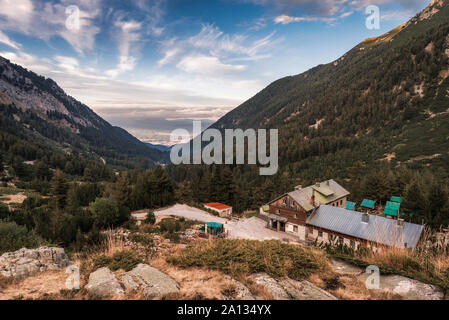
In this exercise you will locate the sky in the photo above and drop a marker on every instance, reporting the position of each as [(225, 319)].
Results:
[(153, 66)]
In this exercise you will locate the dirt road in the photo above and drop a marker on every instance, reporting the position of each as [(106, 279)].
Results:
[(252, 229)]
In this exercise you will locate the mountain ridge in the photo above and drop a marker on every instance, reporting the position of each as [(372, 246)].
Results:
[(375, 97), (73, 123)]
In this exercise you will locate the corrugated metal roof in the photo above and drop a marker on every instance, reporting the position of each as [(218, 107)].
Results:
[(379, 229), (333, 190)]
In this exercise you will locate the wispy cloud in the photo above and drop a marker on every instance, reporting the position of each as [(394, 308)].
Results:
[(6, 40), (211, 51), (207, 65), (128, 35), (46, 20)]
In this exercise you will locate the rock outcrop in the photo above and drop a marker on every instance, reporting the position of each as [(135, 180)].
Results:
[(26, 262), (103, 284), (241, 291), (408, 289), (154, 284), (288, 289)]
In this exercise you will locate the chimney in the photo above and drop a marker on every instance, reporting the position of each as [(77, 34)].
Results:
[(312, 199), (365, 218), (327, 183), (298, 187), (401, 223)]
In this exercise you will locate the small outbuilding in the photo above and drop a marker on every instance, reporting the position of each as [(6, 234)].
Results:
[(223, 210)]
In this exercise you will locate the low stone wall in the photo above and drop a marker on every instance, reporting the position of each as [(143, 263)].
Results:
[(26, 262)]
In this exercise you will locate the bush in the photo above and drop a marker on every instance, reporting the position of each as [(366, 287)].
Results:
[(125, 260), (4, 211), (144, 239), (106, 212), (14, 237), (246, 256), (170, 225), (172, 236), (131, 225), (150, 229), (151, 218)]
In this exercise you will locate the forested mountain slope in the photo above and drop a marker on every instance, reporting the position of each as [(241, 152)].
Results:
[(386, 98), (376, 120), (39, 118)]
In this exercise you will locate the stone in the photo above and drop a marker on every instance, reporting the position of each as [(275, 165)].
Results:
[(305, 290), (288, 289), (241, 291), (408, 289), (271, 285), (345, 268), (154, 283), (103, 284), (26, 262), (128, 282)]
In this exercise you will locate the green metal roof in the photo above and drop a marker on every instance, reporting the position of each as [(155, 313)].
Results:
[(368, 203), (392, 208), (350, 205), (396, 199), (214, 225)]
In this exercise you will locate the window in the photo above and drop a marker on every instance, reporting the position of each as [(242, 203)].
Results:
[(295, 228), (320, 234), (296, 216), (406, 245), (340, 240), (292, 204), (284, 201), (279, 211), (352, 244)]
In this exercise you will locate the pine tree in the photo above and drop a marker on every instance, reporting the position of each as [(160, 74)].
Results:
[(59, 188), (121, 191)]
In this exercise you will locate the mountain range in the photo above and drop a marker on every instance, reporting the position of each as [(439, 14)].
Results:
[(386, 99), (40, 115)]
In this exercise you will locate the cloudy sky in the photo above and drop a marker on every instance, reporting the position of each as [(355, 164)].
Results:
[(151, 66)]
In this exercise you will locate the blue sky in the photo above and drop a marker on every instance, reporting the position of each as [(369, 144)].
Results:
[(154, 66)]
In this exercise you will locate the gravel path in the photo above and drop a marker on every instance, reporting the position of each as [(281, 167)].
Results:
[(252, 229)]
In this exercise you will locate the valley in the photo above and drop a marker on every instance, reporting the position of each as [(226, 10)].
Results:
[(90, 212)]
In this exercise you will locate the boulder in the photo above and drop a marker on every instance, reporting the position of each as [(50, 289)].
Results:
[(288, 289), (408, 289), (26, 262), (304, 290), (241, 291), (103, 284), (271, 285), (154, 283)]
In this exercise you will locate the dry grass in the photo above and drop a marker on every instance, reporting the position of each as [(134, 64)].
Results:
[(195, 283), (34, 287), (354, 289)]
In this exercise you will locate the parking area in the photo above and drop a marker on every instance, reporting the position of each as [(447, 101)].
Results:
[(252, 229)]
